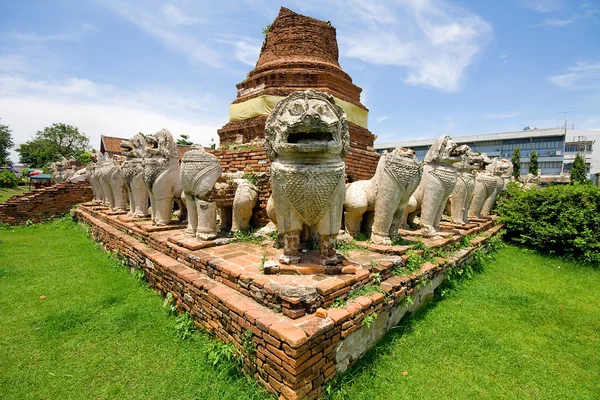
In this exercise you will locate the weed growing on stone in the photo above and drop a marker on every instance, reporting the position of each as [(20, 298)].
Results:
[(248, 344), (346, 247), (247, 236), (369, 319)]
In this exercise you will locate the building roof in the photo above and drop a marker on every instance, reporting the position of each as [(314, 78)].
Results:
[(535, 133), (112, 146)]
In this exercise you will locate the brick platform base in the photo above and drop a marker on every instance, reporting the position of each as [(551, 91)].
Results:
[(300, 341)]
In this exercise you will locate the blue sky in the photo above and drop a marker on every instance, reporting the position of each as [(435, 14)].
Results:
[(427, 67)]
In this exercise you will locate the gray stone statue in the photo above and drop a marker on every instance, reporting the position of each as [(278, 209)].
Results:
[(92, 177), (487, 186), (461, 197), (502, 171), (117, 184), (133, 175), (244, 201), (530, 181), (62, 169), (161, 177), (385, 196), (307, 139), (437, 184), (199, 173), (103, 168)]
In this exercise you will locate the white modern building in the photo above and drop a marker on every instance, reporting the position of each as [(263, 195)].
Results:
[(556, 148)]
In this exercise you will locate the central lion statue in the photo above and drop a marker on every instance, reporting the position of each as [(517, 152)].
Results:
[(161, 177), (133, 175), (307, 140), (386, 196), (437, 184)]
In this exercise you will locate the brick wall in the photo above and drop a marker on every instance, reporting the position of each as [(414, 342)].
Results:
[(42, 204)]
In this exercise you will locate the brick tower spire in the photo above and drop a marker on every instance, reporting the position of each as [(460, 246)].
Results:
[(298, 53)]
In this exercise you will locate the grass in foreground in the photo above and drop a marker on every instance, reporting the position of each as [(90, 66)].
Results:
[(98, 334), (522, 329), (528, 327), (6, 193)]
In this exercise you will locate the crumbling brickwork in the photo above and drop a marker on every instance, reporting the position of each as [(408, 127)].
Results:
[(43, 204)]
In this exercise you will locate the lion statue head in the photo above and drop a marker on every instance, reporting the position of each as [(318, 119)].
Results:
[(162, 144), (135, 147), (444, 151), (307, 123)]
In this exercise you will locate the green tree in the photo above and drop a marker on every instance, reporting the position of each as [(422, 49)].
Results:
[(578, 172), (533, 163), (6, 143), (184, 140), (54, 142), (516, 162)]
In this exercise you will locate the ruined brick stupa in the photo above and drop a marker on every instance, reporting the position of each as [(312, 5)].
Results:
[(300, 53)]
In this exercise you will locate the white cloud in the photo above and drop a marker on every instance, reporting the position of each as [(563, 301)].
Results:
[(100, 109), (163, 27), (504, 57), (431, 40), (501, 115), (34, 37), (177, 17), (543, 6), (581, 75), (381, 119), (557, 23)]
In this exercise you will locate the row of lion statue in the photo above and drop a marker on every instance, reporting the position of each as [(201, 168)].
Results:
[(306, 139)]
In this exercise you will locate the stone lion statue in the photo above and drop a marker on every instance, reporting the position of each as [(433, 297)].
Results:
[(487, 186), (307, 140), (461, 197), (437, 184), (103, 169), (62, 169), (385, 196), (114, 179), (161, 177), (199, 173), (133, 175), (530, 181), (92, 174)]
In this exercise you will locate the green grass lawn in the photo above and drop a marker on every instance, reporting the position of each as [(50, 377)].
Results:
[(524, 328), (6, 193)]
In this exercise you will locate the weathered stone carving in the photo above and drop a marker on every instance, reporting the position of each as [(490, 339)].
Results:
[(161, 177), (102, 171), (461, 197), (133, 175), (530, 181), (386, 195), (502, 171), (244, 201), (92, 176), (437, 184), (487, 186), (199, 173), (307, 139), (62, 169), (114, 178)]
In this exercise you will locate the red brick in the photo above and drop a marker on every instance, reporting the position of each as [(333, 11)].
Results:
[(288, 333)]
